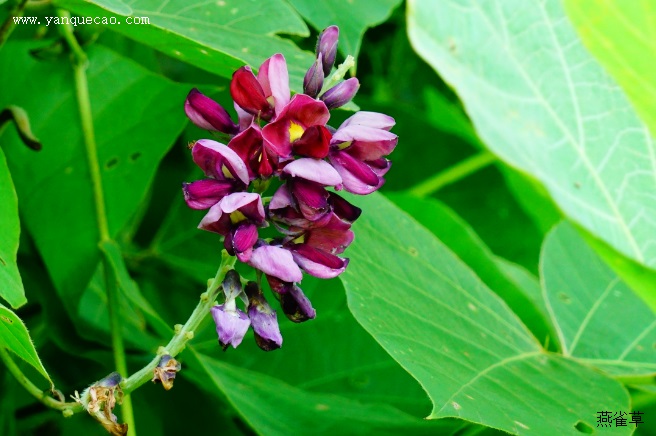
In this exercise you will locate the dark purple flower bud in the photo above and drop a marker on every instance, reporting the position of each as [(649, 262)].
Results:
[(313, 80), (343, 209), (231, 324), (247, 92), (341, 93), (263, 319), (166, 370), (208, 114), (296, 306), (203, 194), (327, 48)]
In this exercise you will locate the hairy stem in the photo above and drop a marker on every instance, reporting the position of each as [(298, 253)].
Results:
[(453, 174), (9, 24), (42, 396), (80, 63), (186, 332)]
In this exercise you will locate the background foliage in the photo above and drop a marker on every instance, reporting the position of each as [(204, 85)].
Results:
[(502, 282)]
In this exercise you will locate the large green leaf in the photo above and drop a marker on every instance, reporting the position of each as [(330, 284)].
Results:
[(465, 243), (15, 337), (273, 407), (590, 306), (136, 120), (619, 34), (11, 286), (217, 36), (352, 17), (541, 102), (469, 351)]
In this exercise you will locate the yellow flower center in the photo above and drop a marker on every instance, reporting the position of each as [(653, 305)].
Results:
[(237, 217), (226, 172), (300, 239), (295, 131)]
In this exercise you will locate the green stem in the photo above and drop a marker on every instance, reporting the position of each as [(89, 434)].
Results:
[(186, 332), (80, 63), (67, 408), (453, 174), (9, 24)]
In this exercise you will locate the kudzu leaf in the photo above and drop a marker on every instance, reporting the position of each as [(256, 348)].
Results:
[(11, 285), (352, 17), (136, 121), (470, 352), (541, 102), (598, 318), (15, 337), (217, 36)]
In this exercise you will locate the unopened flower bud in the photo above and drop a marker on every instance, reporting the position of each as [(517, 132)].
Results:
[(313, 80), (263, 319), (341, 93), (296, 305), (166, 371), (327, 48), (208, 114)]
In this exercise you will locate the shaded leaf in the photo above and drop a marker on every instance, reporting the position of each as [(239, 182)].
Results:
[(599, 319), (15, 337), (11, 285), (458, 339), (352, 17), (556, 113), (217, 36), (273, 407), (136, 120)]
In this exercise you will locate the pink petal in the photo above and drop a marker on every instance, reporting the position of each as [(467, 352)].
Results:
[(212, 156), (277, 262), (370, 119), (274, 79), (357, 176), (315, 170), (318, 263)]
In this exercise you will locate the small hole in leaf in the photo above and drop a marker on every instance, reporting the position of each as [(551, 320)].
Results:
[(413, 251), (111, 163), (583, 427), (564, 298), (135, 156), (7, 320)]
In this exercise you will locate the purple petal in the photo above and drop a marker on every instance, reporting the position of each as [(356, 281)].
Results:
[(306, 111), (314, 170), (248, 203), (203, 194), (332, 238), (231, 325), (317, 262), (216, 221), (327, 47), (243, 240), (311, 199), (247, 92), (357, 176), (313, 80), (341, 93), (263, 319), (219, 161), (343, 209), (276, 262), (274, 79), (245, 119), (296, 306), (315, 142), (367, 143), (370, 119), (281, 199), (208, 114)]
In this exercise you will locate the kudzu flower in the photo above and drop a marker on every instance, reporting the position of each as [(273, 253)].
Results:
[(284, 141)]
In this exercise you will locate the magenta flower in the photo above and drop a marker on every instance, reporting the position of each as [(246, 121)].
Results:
[(357, 150), (231, 323), (293, 302), (208, 114), (341, 93), (266, 95), (225, 170), (236, 217), (293, 125)]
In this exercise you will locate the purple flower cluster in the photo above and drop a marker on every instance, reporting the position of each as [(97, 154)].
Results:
[(284, 138)]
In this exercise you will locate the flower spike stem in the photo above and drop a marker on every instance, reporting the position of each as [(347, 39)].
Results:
[(338, 75), (80, 63), (183, 334), (453, 174)]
